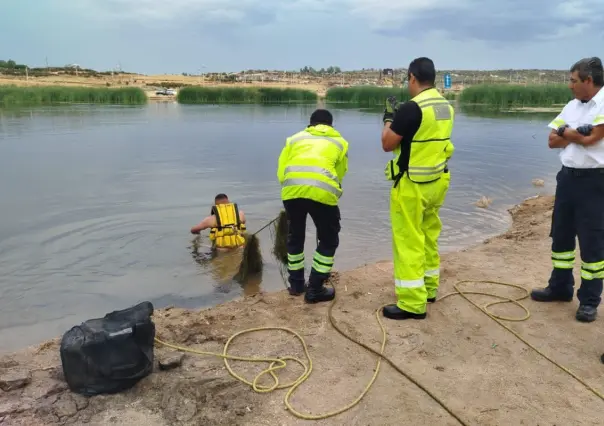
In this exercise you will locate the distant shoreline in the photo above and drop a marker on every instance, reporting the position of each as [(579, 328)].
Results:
[(504, 97)]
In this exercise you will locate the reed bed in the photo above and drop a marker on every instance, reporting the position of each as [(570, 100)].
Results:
[(506, 96), (52, 95), (244, 95), (365, 95)]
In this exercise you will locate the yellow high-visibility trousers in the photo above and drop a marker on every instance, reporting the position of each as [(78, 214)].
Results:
[(416, 226)]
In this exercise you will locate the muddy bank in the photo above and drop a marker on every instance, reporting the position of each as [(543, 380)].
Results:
[(477, 368)]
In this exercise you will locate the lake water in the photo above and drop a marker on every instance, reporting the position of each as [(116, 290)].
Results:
[(97, 201)]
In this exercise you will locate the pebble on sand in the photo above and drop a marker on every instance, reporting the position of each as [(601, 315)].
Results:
[(171, 360), (14, 379)]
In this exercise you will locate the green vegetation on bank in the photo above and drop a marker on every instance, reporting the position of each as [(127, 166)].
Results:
[(371, 95), (243, 95), (507, 96), (495, 95), (365, 95), (52, 95)]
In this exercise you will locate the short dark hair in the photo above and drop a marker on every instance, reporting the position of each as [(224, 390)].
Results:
[(221, 197), (321, 116), (590, 67), (423, 70)]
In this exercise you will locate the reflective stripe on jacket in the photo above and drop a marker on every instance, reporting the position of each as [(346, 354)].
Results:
[(313, 164)]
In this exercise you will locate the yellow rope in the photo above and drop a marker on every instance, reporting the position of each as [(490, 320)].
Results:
[(498, 319), (279, 363)]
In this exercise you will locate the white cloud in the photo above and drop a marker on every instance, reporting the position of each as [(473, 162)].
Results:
[(167, 11), (383, 12), (495, 21)]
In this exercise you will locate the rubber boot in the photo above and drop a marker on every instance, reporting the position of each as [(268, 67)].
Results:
[(547, 294), (317, 292), (586, 313), (297, 288), (396, 313)]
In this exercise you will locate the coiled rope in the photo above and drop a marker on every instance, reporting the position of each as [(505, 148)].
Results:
[(276, 364)]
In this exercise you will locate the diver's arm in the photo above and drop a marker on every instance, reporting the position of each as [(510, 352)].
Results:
[(241, 216), (208, 222)]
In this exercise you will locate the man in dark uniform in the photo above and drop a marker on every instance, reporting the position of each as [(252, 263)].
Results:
[(579, 204)]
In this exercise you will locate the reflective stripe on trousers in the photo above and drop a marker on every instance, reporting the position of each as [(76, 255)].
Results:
[(295, 262), (563, 260), (592, 271), (322, 264)]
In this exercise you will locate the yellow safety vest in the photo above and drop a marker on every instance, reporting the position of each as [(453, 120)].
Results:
[(431, 146), (309, 166), (229, 229)]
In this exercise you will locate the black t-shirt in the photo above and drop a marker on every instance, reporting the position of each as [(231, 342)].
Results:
[(407, 120)]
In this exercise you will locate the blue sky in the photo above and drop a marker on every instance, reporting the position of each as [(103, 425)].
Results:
[(175, 36)]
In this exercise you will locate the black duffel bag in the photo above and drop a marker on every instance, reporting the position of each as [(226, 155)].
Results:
[(110, 354)]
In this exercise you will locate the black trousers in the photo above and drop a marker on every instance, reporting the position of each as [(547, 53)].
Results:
[(578, 212), (327, 221)]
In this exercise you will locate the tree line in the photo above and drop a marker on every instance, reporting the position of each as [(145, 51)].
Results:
[(313, 71), (12, 65)]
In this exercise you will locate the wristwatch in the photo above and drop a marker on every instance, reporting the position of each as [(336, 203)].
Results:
[(561, 130)]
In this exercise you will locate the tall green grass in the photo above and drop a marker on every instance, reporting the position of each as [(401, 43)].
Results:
[(365, 95), (51, 95), (243, 95), (507, 96)]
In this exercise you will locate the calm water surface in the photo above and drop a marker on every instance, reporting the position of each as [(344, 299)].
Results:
[(97, 202)]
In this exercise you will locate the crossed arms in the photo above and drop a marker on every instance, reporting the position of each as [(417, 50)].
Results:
[(572, 136)]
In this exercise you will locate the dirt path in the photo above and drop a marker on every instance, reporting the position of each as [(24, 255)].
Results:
[(482, 372)]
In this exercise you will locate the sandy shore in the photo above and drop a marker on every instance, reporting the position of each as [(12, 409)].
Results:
[(477, 368), (151, 82)]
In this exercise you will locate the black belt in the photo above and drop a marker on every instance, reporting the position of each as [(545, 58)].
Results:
[(398, 177), (582, 172)]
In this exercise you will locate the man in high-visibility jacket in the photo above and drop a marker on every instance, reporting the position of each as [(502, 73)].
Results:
[(418, 132), (311, 168)]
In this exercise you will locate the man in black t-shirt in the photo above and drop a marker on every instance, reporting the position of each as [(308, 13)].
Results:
[(418, 133)]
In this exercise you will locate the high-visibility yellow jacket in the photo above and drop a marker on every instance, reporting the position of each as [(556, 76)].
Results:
[(229, 231), (431, 147), (313, 164)]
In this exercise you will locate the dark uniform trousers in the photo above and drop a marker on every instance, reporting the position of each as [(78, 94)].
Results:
[(578, 212), (327, 221)]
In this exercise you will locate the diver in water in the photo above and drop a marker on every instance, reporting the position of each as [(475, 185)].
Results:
[(226, 223), (227, 228)]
